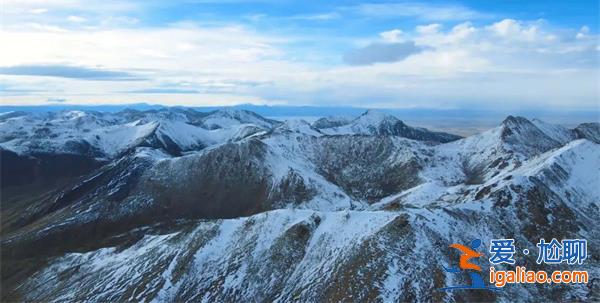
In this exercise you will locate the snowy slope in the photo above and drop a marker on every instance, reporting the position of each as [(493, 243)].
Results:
[(590, 131), (228, 206), (107, 135), (374, 122), (226, 118), (331, 121), (500, 157), (289, 255), (298, 126), (556, 132)]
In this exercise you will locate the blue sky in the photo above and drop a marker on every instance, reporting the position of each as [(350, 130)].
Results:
[(401, 54)]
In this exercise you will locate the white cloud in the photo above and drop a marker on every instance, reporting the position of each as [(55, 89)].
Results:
[(138, 48), (391, 36), (117, 21), (382, 52), (504, 63), (45, 27), (37, 11), (423, 11), (583, 32), (516, 30), (317, 17), (76, 19), (227, 57), (462, 31), (12, 6), (428, 29)]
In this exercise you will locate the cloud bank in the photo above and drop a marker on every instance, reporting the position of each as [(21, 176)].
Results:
[(67, 71), (382, 52), (399, 55)]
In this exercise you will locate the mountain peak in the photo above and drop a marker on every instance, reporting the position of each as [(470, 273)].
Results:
[(227, 117), (230, 111), (517, 124), (559, 133), (374, 122), (299, 126), (283, 205), (590, 131), (376, 119), (332, 121), (375, 116), (515, 120), (526, 136)]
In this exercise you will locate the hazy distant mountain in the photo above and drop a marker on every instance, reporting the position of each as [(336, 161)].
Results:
[(377, 123), (180, 205), (443, 118)]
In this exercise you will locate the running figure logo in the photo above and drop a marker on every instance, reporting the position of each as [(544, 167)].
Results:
[(466, 254)]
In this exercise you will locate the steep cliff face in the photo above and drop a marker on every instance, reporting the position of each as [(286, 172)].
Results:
[(228, 206)]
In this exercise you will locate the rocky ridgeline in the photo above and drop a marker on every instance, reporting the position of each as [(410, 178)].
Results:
[(178, 205)]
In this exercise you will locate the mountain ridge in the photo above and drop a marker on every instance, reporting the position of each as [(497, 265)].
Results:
[(287, 196)]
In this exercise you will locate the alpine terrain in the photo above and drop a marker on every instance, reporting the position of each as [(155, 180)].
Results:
[(228, 206)]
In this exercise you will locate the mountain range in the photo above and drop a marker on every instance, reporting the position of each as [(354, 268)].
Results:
[(174, 204)]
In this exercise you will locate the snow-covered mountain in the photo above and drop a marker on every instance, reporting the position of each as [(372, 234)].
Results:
[(106, 135), (377, 123), (226, 118), (178, 205)]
